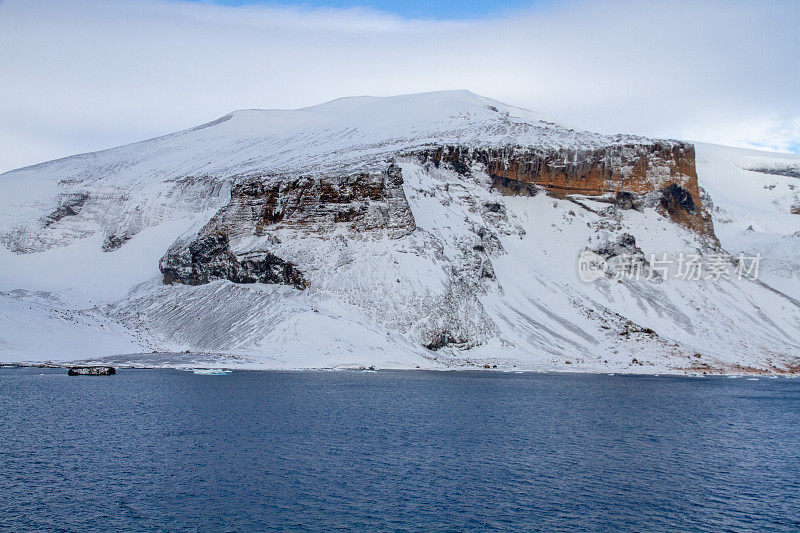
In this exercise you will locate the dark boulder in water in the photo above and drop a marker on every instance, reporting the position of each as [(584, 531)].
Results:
[(91, 371)]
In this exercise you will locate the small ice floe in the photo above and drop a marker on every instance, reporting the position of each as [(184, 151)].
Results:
[(211, 371), (752, 379), (733, 377)]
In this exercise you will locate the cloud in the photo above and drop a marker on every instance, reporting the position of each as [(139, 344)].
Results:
[(84, 75)]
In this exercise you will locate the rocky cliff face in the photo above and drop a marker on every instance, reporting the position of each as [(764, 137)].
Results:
[(360, 206), (659, 174)]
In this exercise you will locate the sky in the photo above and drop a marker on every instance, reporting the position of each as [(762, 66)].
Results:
[(430, 9), (84, 75)]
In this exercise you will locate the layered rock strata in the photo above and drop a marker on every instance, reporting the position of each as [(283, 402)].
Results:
[(634, 173), (360, 206)]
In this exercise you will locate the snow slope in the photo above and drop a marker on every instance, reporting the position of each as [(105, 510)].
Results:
[(375, 300), (754, 194)]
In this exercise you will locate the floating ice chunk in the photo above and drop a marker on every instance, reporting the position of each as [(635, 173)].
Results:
[(211, 371)]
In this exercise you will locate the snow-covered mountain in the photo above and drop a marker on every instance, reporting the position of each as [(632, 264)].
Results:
[(431, 230)]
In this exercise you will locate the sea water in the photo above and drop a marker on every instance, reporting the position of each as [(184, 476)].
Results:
[(402, 451)]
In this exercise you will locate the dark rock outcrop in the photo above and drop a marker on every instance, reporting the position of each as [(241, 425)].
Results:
[(68, 206), (675, 198), (114, 242), (440, 340), (624, 258), (624, 245), (209, 258), (788, 171), (628, 200)]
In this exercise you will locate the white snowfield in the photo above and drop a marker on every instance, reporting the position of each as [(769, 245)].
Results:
[(82, 238)]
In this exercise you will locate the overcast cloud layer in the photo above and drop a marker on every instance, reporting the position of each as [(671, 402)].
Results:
[(83, 76)]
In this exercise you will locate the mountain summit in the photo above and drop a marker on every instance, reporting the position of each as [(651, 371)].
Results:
[(441, 230)]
